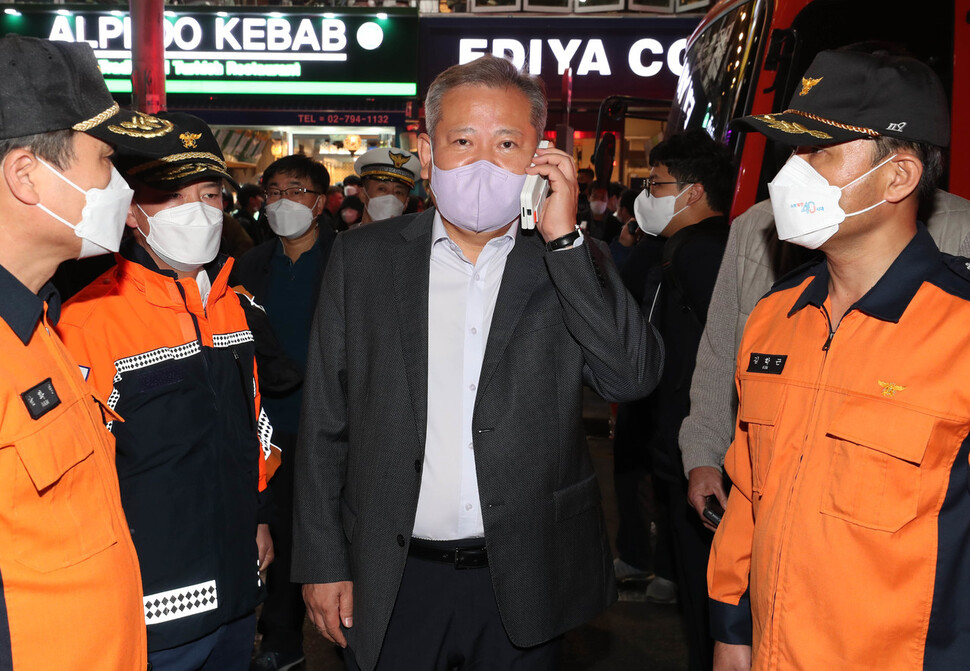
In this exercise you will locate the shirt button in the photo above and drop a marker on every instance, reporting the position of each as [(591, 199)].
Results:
[(471, 387), (471, 446), (474, 330), (468, 506), (478, 277), (400, 540)]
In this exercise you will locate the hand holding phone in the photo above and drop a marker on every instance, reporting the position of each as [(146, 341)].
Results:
[(713, 511), (533, 196)]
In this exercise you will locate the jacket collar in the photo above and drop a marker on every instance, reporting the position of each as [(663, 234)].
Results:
[(22, 309), (161, 287), (894, 291)]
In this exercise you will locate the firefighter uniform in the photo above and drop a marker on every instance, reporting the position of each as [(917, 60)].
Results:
[(850, 518), (179, 367), (70, 591)]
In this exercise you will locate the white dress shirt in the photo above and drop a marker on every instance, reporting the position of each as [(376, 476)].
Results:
[(461, 300)]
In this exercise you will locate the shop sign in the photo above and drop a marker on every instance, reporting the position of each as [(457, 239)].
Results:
[(623, 55), (247, 51)]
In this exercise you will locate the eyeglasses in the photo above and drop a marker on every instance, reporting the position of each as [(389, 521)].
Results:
[(292, 192), (652, 183)]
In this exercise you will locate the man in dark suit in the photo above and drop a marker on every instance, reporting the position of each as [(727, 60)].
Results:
[(446, 509)]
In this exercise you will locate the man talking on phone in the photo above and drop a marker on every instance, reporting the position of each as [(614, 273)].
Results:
[(447, 513)]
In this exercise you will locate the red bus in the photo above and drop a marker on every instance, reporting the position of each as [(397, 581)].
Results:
[(747, 57)]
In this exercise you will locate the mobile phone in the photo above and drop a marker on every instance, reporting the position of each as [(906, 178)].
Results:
[(632, 226), (713, 510), (533, 196)]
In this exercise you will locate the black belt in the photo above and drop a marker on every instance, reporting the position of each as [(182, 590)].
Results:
[(441, 551)]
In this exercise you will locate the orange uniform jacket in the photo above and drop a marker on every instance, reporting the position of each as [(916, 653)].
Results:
[(181, 373), (850, 516), (70, 592)]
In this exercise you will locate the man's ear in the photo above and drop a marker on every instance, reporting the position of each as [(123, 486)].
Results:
[(318, 206), (18, 168), (131, 221), (906, 175), (696, 193), (424, 153)]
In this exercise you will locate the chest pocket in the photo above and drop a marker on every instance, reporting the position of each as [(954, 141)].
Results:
[(761, 403), (874, 477), (60, 514)]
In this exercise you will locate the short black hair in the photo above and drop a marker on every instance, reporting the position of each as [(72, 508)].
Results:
[(586, 171), (299, 165), (694, 157), (628, 198), (616, 189), (352, 180), (247, 191), (55, 146)]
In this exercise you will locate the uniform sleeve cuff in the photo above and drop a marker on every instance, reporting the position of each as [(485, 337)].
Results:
[(731, 624)]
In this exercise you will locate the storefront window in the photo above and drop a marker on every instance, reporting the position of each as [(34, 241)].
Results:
[(583, 6), (717, 72), (484, 6)]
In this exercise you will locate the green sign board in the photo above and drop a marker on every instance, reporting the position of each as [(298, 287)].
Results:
[(246, 52)]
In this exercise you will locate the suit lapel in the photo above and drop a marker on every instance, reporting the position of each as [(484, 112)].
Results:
[(411, 268), (523, 269)]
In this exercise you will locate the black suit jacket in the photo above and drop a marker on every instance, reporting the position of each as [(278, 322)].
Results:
[(561, 319)]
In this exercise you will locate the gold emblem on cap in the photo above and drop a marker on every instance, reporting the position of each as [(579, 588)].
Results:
[(188, 139), (399, 159), (889, 389), (792, 127), (808, 84), (143, 126)]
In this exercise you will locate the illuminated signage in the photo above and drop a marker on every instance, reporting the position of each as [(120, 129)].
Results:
[(636, 56), (248, 51)]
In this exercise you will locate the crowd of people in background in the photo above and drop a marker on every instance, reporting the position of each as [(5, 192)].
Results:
[(369, 394)]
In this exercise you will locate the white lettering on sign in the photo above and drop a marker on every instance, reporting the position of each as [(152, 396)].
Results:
[(179, 32), (224, 34), (278, 35), (587, 57), (253, 34), (333, 35), (109, 28), (563, 54), (636, 57), (306, 36)]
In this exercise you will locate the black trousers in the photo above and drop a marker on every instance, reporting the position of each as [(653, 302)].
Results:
[(281, 620), (446, 619), (691, 551)]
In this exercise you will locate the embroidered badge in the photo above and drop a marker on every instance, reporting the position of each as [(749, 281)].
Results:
[(41, 399), (399, 159), (808, 84), (772, 364), (897, 127), (889, 389), (143, 125), (188, 139)]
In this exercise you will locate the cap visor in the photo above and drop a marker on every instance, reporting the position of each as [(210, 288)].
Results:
[(796, 130), (166, 181)]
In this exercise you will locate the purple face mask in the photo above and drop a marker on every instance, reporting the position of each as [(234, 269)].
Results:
[(478, 197)]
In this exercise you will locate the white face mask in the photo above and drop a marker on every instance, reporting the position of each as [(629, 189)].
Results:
[(187, 236), (597, 207), (384, 207), (806, 206), (103, 217), (350, 190), (289, 219), (654, 214)]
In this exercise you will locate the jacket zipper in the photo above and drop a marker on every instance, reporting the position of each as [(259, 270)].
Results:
[(798, 467), (198, 337)]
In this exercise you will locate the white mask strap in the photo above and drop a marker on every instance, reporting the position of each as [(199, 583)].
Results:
[(57, 216), (866, 174), (57, 172)]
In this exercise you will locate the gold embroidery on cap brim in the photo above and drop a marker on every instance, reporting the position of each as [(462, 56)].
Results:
[(143, 126), (96, 120), (791, 127), (175, 158), (188, 139), (180, 171), (835, 124), (808, 84), (389, 173)]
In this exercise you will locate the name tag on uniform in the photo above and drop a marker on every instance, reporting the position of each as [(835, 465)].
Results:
[(772, 364), (41, 399)]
